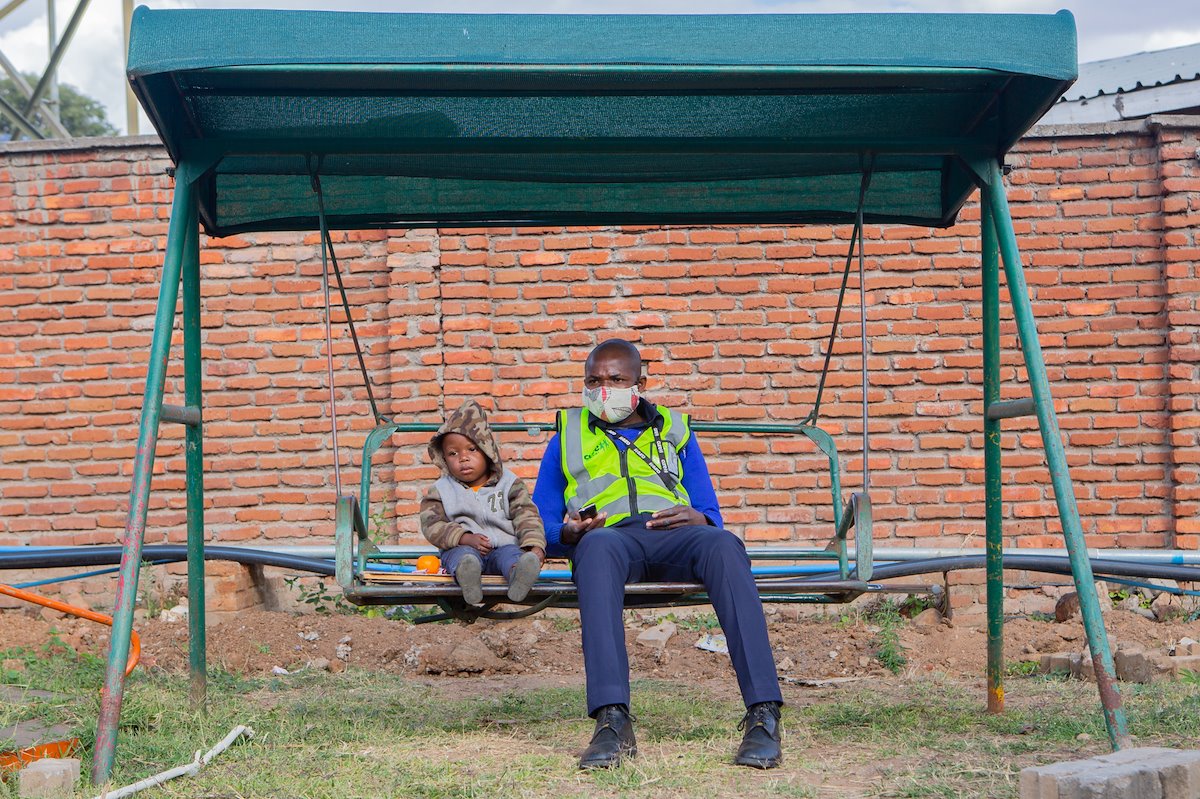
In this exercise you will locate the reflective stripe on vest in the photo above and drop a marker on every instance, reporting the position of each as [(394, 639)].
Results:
[(618, 482)]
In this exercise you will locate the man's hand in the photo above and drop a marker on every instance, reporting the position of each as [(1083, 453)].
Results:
[(574, 527), (541, 553), (480, 543), (678, 516)]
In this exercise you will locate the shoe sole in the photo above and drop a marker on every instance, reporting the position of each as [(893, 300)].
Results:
[(523, 576), (467, 575), (616, 761), (757, 762)]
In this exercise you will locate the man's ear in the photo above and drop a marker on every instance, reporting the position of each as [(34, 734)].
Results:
[(641, 384)]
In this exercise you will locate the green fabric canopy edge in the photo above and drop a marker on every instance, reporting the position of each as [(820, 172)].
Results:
[(1032, 44)]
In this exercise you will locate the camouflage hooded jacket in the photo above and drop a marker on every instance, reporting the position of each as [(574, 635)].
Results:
[(501, 509)]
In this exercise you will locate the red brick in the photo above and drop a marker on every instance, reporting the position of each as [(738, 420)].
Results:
[(733, 320)]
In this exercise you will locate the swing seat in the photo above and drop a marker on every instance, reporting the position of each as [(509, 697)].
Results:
[(364, 583)]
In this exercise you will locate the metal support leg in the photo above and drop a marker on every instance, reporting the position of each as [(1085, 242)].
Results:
[(1060, 478), (194, 456), (991, 462), (143, 467)]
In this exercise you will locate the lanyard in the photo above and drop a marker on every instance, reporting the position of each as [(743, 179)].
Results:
[(669, 480)]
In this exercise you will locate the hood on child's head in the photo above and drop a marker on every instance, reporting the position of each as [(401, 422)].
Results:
[(470, 421)]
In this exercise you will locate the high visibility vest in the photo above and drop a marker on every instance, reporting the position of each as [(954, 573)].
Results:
[(619, 482)]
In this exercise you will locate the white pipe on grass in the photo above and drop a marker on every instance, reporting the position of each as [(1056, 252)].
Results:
[(186, 770)]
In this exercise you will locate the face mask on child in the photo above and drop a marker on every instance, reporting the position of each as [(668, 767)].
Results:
[(611, 404)]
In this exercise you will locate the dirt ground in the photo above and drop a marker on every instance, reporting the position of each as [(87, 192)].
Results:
[(546, 648)]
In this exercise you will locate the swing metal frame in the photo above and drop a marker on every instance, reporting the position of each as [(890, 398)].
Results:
[(355, 551), (929, 58)]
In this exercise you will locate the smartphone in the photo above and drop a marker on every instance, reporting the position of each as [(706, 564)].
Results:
[(587, 512)]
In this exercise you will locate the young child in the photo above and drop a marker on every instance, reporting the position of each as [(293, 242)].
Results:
[(478, 513)]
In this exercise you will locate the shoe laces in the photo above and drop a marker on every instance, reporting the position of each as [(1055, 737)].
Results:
[(608, 714), (758, 713)]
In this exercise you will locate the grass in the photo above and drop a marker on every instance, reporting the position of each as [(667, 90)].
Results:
[(359, 734)]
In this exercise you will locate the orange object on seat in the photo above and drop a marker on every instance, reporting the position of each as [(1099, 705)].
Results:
[(429, 564)]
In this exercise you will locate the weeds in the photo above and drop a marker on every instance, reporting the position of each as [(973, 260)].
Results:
[(695, 622), (1021, 668), (1119, 595), (314, 592), (565, 624), (405, 613), (152, 591), (889, 652), (915, 604)]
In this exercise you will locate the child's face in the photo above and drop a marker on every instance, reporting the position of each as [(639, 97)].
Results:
[(464, 460)]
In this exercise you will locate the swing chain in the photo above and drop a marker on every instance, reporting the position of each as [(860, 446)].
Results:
[(855, 239), (327, 247)]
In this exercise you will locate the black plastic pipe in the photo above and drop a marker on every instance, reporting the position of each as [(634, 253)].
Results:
[(1051, 564), (172, 553), (1039, 563)]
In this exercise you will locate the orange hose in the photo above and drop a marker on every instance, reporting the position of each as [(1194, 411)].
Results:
[(135, 645)]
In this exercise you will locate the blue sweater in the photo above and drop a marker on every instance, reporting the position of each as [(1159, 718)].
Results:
[(550, 489)]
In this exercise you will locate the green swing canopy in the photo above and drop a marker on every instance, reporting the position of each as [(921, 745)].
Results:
[(420, 120)]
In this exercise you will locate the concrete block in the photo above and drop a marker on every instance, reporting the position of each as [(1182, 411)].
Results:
[(656, 637), (1137, 665), (1186, 647), (1180, 778), (1041, 782), (1138, 754), (1114, 782), (1056, 661), (1141, 773), (1166, 606), (1183, 663), (1178, 770), (49, 778)]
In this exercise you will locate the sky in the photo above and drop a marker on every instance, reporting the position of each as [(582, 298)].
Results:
[(95, 60)]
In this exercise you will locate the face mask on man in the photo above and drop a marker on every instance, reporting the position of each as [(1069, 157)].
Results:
[(611, 404)]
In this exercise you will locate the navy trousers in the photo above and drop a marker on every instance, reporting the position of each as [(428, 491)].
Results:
[(608, 558)]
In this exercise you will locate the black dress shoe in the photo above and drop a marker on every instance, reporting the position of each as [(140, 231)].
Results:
[(760, 745), (612, 740)]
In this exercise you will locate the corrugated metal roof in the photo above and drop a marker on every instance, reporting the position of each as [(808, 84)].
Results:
[(1137, 71)]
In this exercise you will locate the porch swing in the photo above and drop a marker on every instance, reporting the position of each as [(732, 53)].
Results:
[(362, 569), (460, 120)]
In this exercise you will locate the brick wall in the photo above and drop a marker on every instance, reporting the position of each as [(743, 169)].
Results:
[(733, 321)]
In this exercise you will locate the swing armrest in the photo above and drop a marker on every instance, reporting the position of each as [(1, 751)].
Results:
[(860, 517), (350, 541)]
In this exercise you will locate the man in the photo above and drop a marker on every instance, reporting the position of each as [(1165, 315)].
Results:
[(624, 490)]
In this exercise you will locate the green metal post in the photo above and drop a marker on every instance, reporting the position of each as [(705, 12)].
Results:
[(195, 460), (143, 466), (1060, 478), (991, 461)]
